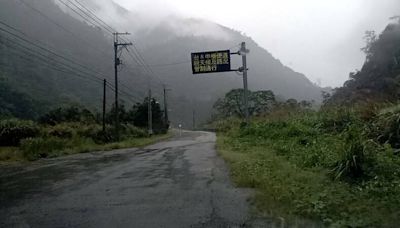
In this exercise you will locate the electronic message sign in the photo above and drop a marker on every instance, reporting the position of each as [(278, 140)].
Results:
[(211, 62)]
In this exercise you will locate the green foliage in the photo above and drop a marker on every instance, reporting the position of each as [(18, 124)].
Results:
[(356, 157), (330, 166), (133, 131), (124, 115), (36, 148), (12, 131), (232, 105), (15, 104), (378, 80), (68, 114), (386, 127), (226, 125), (64, 131), (139, 116), (48, 147), (336, 119)]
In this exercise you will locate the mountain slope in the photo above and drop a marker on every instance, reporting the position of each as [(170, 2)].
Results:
[(379, 78), (165, 45)]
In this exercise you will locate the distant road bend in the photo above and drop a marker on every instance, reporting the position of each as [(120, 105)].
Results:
[(178, 183)]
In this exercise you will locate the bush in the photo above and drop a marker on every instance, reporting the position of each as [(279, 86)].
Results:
[(36, 148), (69, 114), (357, 157), (63, 131), (129, 130), (336, 120), (12, 131), (95, 132), (226, 125), (386, 127)]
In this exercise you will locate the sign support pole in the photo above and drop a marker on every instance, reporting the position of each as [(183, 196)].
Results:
[(243, 52), (219, 61)]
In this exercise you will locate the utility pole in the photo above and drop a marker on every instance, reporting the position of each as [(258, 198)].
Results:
[(150, 115), (243, 51), (104, 104), (117, 62), (166, 120), (194, 119)]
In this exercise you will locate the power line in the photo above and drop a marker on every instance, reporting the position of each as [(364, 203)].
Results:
[(89, 16), (91, 12), (44, 59), (138, 57), (132, 98), (43, 48), (63, 28), (168, 64), (79, 14)]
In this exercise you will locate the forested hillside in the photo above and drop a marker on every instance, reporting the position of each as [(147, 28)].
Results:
[(40, 75), (166, 47), (379, 78)]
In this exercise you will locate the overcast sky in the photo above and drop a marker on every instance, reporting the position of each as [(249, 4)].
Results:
[(320, 38)]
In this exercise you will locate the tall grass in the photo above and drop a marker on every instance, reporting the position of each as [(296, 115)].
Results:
[(336, 166), (32, 141)]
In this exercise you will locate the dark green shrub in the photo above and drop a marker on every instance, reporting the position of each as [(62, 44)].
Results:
[(386, 127), (89, 131), (104, 137), (357, 157), (12, 131), (68, 114), (226, 125), (129, 130), (63, 131), (36, 148), (95, 132), (336, 120)]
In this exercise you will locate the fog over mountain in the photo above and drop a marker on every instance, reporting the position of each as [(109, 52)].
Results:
[(321, 39), (165, 41)]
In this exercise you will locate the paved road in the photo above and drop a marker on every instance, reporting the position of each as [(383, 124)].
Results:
[(178, 183)]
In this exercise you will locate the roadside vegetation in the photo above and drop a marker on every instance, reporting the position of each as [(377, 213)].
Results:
[(339, 167), (72, 130), (338, 164)]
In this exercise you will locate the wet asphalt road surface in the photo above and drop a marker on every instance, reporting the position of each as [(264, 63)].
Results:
[(178, 183)]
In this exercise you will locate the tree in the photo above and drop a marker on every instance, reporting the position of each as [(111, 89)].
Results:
[(232, 104), (325, 97), (370, 39), (139, 115), (16, 104), (262, 102), (68, 114), (378, 80), (123, 115)]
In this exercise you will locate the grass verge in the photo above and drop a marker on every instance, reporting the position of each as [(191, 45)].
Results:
[(36, 148), (293, 164)]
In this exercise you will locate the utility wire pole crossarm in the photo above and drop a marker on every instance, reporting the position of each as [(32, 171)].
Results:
[(117, 62)]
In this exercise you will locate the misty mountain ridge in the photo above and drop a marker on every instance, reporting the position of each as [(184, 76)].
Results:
[(163, 41)]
